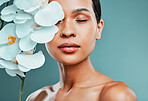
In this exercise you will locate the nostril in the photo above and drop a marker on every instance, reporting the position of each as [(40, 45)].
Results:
[(68, 35), (64, 35), (72, 35)]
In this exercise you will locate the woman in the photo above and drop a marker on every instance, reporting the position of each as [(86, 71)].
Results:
[(71, 48)]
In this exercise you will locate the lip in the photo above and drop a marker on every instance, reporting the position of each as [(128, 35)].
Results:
[(69, 47)]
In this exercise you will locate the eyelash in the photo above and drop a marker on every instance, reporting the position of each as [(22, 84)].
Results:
[(76, 20), (81, 20)]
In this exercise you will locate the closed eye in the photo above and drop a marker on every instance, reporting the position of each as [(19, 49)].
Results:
[(81, 20)]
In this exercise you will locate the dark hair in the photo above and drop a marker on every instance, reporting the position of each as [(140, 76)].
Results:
[(97, 9)]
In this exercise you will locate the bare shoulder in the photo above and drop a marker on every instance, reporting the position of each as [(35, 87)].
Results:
[(117, 91)]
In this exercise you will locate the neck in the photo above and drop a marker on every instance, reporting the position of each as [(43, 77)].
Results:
[(82, 74)]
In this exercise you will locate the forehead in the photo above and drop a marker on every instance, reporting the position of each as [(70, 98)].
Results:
[(70, 5)]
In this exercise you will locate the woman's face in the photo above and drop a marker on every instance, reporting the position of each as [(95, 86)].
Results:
[(80, 27)]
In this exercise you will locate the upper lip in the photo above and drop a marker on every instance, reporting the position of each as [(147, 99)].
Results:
[(69, 44)]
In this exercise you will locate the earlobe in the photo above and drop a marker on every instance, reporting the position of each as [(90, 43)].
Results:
[(98, 35), (99, 29)]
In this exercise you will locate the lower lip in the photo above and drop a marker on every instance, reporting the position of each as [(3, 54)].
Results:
[(69, 49)]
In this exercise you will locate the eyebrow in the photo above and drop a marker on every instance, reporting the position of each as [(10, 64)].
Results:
[(80, 10)]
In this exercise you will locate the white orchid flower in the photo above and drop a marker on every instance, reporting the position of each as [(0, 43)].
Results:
[(9, 42), (43, 29), (30, 5), (23, 63), (11, 68), (34, 22), (12, 13), (30, 34), (12, 58)]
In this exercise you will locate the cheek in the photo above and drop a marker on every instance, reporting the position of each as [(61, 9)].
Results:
[(50, 49), (87, 34)]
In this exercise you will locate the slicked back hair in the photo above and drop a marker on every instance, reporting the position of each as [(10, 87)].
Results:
[(97, 9)]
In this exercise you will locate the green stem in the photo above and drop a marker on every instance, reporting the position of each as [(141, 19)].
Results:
[(21, 90)]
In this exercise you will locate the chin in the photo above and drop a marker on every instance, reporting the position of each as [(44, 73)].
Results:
[(70, 60)]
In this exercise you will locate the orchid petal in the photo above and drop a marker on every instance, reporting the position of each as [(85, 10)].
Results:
[(8, 29), (23, 4), (19, 21), (8, 64), (23, 69), (17, 71), (3, 1), (32, 12), (8, 17), (9, 52), (24, 29), (10, 72), (50, 14), (3, 45), (32, 8), (37, 4), (23, 15), (9, 10), (31, 61), (14, 72), (2, 66), (45, 34), (27, 44)]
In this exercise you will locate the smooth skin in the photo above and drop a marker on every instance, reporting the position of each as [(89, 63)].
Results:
[(79, 80)]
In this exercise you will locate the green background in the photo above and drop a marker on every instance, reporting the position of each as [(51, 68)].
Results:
[(121, 53)]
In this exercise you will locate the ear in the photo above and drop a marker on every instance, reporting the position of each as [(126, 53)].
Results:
[(99, 29)]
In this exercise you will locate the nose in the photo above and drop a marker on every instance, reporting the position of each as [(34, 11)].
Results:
[(67, 29)]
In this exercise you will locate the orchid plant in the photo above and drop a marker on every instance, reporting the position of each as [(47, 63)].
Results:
[(29, 22)]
